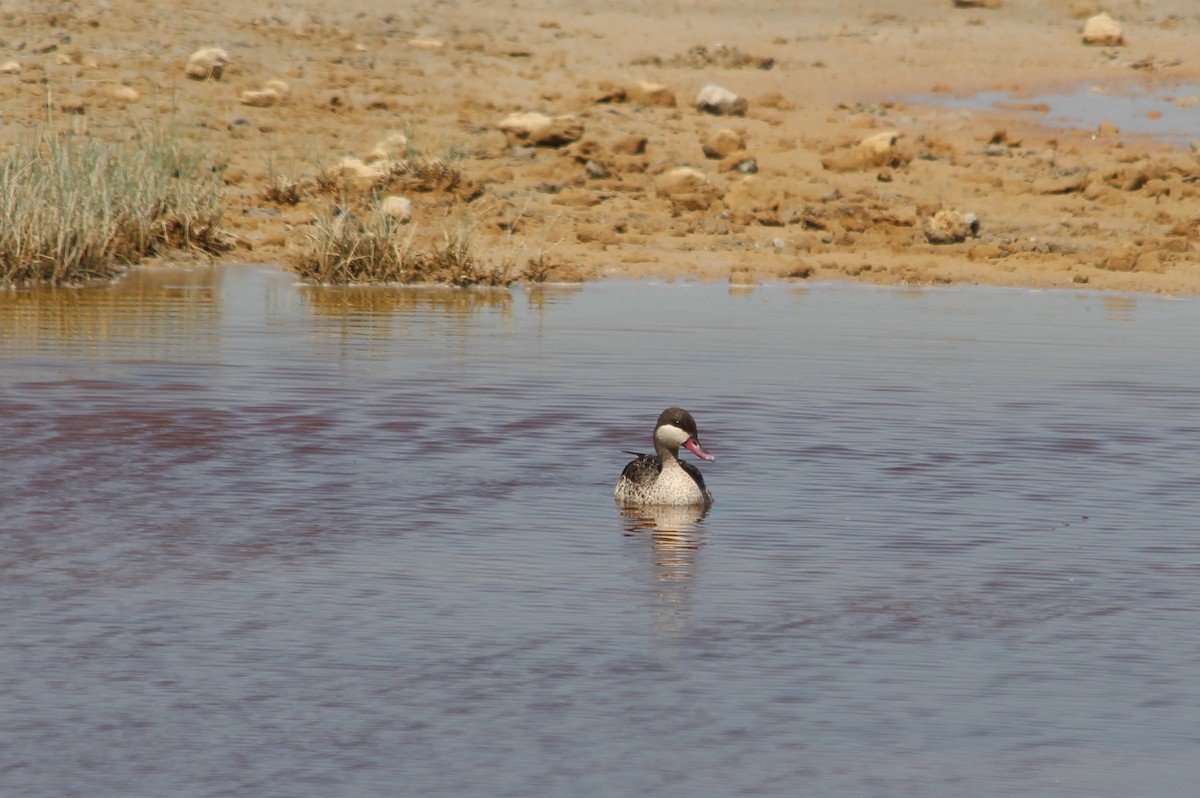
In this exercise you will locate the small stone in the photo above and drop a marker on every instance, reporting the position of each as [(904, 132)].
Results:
[(655, 94), (260, 99), (631, 145), (426, 44), (208, 63), (355, 172), (539, 130), (10, 68), (45, 46), (976, 3), (720, 101), (722, 144), (878, 150), (596, 169), (399, 209), (686, 188), (1103, 30), (121, 93), (748, 166), (392, 148), (950, 227)]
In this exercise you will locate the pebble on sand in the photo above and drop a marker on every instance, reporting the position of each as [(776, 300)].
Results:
[(950, 227), (1103, 30), (644, 92), (880, 149), (538, 130), (10, 68), (720, 101), (686, 188), (722, 143), (392, 148), (207, 63)]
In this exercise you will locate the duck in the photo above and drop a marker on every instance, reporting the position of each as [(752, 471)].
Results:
[(662, 478)]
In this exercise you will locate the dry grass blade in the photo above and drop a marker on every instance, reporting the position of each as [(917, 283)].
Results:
[(74, 209)]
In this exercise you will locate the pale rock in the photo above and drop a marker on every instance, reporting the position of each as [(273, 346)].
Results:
[(654, 94), (392, 148), (399, 209), (718, 100), (538, 130), (260, 99), (10, 68), (686, 188), (1102, 30), (121, 93), (207, 63), (723, 143), (950, 227), (354, 172), (426, 44), (280, 87), (879, 149)]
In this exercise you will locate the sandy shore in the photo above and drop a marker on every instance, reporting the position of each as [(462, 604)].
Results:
[(789, 192)]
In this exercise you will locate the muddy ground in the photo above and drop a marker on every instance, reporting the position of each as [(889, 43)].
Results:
[(937, 196)]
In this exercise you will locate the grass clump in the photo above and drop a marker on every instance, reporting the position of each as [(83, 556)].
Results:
[(74, 209), (377, 248)]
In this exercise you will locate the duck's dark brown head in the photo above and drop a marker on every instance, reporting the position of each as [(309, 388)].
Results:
[(677, 427)]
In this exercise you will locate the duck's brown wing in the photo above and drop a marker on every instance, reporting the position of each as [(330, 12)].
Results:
[(644, 470)]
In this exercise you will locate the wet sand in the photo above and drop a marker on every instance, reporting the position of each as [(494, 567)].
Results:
[(1053, 207)]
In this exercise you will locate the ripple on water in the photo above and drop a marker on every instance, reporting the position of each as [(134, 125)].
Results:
[(270, 540)]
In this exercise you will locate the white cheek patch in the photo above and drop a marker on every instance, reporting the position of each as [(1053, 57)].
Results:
[(671, 435)]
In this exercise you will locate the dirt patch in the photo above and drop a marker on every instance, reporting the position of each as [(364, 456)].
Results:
[(828, 175)]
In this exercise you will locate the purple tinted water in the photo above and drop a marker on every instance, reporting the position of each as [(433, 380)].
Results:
[(268, 540)]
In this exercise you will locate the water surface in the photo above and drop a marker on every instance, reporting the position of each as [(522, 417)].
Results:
[(260, 539)]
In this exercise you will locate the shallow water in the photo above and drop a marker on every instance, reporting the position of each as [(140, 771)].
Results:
[(1168, 113), (276, 541)]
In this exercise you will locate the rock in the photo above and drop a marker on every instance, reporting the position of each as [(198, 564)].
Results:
[(280, 87), (1123, 258), (208, 63), (655, 94), (392, 148), (260, 99), (355, 173), (1102, 30), (399, 209), (539, 130), (10, 68), (121, 93), (722, 144), (718, 100), (686, 188), (753, 200), (426, 44), (976, 3), (631, 145), (1067, 184), (46, 46), (880, 149), (950, 227), (596, 170)]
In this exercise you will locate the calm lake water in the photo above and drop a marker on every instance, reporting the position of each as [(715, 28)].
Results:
[(267, 540)]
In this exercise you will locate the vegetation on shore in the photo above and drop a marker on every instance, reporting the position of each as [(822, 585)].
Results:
[(75, 209)]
